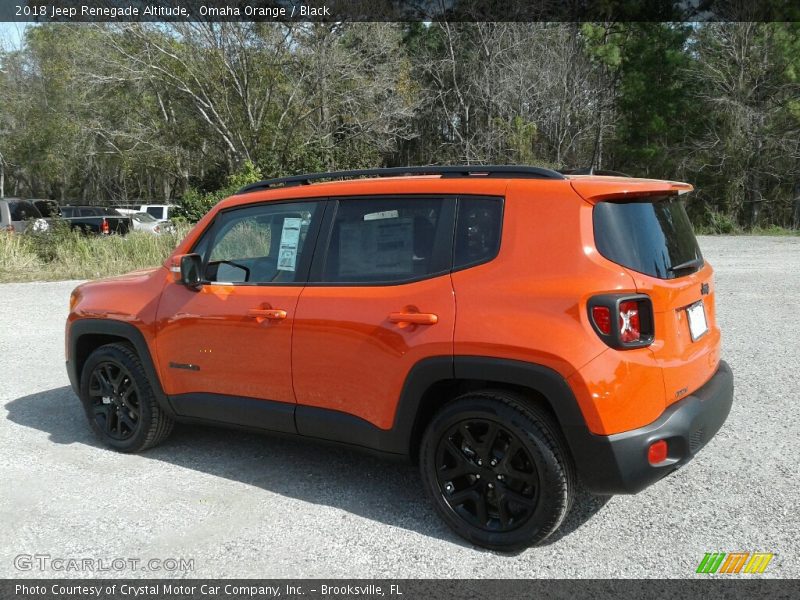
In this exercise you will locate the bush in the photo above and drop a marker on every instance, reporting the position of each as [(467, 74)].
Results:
[(716, 223), (196, 204)]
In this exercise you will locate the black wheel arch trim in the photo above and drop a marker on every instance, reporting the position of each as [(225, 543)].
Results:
[(114, 329)]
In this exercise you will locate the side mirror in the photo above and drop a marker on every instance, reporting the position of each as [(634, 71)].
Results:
[(191, 266)]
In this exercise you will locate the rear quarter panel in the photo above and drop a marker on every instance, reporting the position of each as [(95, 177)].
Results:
[(530, 302)]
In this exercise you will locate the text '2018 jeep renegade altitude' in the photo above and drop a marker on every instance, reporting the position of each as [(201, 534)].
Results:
[(512, 329)]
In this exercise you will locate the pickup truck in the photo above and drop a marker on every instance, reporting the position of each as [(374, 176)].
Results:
[(160, 212), (96, 219)]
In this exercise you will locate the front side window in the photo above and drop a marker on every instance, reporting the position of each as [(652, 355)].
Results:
[(259, 245), (385, 240)]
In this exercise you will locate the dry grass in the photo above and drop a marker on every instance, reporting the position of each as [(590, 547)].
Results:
[(65, 254)]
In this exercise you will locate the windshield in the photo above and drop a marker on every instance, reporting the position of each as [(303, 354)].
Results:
[(654, 237), (143, 218)]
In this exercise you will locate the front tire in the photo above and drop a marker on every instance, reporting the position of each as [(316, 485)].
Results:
[(119, 401), (497, 470)]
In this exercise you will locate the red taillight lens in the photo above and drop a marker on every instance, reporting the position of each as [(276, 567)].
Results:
[(602, 318), (104, 228), (629, 325), (657, 453)]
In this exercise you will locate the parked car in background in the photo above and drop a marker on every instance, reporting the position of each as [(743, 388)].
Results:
[(48, 208), (96, 219), (17, 215), (161, 212), (146, 222)]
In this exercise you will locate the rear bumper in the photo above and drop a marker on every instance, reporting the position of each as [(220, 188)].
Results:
[(618, 464)]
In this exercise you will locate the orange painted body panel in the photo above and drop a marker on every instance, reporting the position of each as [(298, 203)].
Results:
[(237, 354), (340, 348), (686, 365), (594, 189), (348, 355), (132, 298)]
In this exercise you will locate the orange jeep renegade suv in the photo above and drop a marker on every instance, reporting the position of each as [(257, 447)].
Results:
[(512, 329)]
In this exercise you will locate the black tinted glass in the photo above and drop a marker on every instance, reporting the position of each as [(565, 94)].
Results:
[(22, 210), (478, 230), (655, 238), (383, 240)]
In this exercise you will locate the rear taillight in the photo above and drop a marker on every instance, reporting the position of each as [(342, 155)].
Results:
[(104, 228), (622, 320), (629, 323), (602, 318), (10, 228)]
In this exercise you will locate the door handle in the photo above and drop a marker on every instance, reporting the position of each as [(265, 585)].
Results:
[(274, 314), (414, 318)]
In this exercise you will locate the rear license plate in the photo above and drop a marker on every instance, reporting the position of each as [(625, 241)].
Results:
[(698, 325)]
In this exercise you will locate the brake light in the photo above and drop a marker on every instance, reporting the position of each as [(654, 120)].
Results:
[(622, 320), (629, 325), (157, 229), (10, 228), (104, 228), (602, 318)]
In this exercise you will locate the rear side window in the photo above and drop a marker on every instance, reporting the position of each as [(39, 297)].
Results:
[(386, 240), (653, 237), (22, 210), (156, 211), (478, 228)]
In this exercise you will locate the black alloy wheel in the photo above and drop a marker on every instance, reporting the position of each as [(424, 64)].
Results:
[(115, 400), (497, 468), (119, 400), (486, 475)]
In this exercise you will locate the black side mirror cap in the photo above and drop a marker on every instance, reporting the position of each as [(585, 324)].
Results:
[(191, 267)]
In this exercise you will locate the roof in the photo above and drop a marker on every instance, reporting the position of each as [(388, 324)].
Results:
[(474, 179)]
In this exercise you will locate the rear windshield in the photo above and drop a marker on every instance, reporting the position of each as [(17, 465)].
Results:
[(653, 237), (22, 210)]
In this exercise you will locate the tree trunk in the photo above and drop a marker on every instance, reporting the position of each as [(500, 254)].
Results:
[(796, 210)]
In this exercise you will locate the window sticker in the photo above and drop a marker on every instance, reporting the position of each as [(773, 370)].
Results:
[(290, 240), (386, 214), (376, 247)]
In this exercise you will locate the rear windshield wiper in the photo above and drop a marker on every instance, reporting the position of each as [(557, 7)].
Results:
[(695, 262)]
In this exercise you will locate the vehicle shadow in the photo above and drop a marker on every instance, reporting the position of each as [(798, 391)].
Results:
[(364, 485)]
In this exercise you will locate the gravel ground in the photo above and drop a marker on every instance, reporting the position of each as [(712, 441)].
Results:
[(244, 505)]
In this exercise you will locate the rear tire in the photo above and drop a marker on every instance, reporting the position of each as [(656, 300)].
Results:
[(497, 470), (119, 400)]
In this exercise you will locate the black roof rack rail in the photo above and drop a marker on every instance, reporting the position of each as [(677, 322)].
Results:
[(508, 171), (592, 171)]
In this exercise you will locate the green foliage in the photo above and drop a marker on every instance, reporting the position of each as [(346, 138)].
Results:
[(188, 113), (718, 223), (196, 204)]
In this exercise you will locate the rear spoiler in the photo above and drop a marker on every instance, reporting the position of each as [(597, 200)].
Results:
[(611, 189)]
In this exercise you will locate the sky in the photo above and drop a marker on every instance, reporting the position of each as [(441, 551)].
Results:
[(11, 34)]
